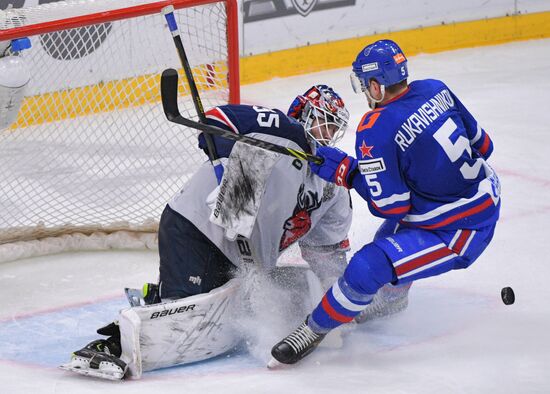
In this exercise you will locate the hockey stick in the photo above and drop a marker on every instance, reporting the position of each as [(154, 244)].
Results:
[(168, 13), (169, 93)]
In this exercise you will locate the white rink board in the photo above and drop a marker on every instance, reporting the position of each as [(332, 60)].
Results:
[(364, 17)]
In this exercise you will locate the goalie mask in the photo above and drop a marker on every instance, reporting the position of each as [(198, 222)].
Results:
[(322, 113)]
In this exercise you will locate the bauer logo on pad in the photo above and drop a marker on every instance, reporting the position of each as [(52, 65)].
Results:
[(369, 67)]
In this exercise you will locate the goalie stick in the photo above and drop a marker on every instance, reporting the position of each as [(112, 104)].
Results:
[(169, 94), (168, 13)]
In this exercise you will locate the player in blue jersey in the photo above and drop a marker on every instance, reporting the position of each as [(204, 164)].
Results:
[(421, 164), (265, 203)]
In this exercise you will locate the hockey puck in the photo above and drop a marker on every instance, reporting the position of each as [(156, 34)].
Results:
[(508, 296)]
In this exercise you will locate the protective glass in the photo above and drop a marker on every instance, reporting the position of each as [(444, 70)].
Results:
[(357, 84)]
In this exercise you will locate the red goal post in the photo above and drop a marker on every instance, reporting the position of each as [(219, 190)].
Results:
[(91, 152), (142, 10)]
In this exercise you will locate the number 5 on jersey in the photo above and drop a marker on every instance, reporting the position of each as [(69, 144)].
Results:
[(454, 150)]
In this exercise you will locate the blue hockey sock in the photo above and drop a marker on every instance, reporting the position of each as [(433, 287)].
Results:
[(339, 305), (368, 270)]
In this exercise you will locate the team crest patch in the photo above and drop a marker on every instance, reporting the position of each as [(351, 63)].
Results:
[(299, 223), (364, 148), (304, 7), (372, 166)]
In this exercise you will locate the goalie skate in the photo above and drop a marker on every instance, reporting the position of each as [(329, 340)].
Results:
[(95, 360), (148, 295)]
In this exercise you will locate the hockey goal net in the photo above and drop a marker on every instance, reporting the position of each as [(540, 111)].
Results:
[(91, 150)]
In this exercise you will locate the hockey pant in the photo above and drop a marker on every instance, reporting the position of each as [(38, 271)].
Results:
[(398, 255), (190, 263)]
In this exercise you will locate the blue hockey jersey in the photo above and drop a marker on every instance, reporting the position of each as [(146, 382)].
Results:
[(422, 161)]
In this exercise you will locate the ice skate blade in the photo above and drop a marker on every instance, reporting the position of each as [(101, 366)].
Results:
[(274, 364), (333, 340), (96, 373)]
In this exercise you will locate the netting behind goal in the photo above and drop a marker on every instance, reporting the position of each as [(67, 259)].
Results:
[(91, 149)]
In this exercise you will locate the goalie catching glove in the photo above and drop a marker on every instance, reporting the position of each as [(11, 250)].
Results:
[(337, 166)]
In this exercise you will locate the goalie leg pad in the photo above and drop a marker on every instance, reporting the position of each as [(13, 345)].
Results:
[(179, 332)]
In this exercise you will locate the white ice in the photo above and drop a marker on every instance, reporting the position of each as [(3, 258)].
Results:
[(456, 336)]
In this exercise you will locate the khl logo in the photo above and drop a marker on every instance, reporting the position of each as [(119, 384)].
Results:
[(304, 7)]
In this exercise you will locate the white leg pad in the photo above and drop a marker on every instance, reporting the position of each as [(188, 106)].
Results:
[(180, 331)]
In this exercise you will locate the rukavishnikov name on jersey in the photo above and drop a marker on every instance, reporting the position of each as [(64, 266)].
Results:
[(424, 116)]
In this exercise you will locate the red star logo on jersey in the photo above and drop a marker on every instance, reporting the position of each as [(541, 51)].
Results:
[(365, 150)]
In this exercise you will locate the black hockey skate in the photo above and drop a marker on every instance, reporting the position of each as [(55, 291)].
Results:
[(295, 346), (148, 295), (388, 301), (151, 293), (100, 359)]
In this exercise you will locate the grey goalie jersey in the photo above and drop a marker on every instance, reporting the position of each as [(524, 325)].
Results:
[(265, 201)]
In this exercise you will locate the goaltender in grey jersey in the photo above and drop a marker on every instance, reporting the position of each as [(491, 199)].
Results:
[(255, 215), (211, 230), (264, 203)]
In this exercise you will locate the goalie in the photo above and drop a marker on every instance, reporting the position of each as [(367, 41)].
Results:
[(264, 203)]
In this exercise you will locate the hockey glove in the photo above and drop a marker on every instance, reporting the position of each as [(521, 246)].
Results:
[(337, 168)]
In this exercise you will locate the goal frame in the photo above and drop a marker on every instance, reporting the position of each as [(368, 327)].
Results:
[(142, 10)]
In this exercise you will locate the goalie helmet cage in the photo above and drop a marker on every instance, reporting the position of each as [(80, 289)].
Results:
[(91, 151)]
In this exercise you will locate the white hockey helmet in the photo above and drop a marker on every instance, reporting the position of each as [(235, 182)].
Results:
[(322, 113)]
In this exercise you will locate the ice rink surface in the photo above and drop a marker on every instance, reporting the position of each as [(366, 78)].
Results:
[(456, 336)]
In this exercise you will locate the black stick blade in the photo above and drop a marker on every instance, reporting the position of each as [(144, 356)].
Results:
[(169, 93)]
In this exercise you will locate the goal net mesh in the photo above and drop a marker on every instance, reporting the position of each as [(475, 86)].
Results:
[(91, 149)]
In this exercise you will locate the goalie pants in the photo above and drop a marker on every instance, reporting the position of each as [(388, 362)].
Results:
[(190, 263), (398, 255)]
